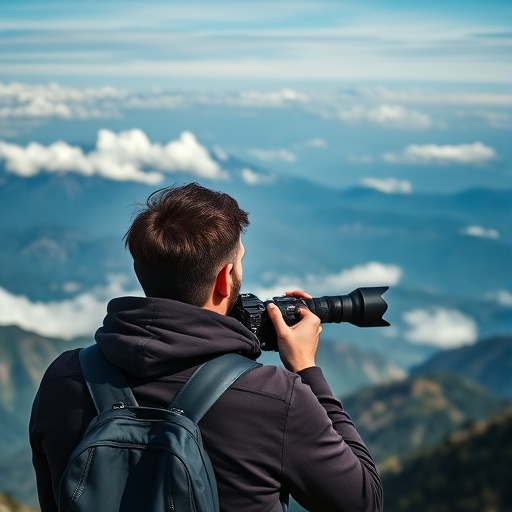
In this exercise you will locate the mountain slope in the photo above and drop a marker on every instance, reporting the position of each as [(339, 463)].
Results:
[(24, 357), (402, 417), (9, 504), (17, 479), (469, 472)]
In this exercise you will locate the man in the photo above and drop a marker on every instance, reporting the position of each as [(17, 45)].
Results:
[(276, 429)]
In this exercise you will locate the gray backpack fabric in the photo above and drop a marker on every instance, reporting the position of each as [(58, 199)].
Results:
[(134, 459)]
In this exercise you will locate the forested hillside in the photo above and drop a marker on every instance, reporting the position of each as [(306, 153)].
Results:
[(469, 472)]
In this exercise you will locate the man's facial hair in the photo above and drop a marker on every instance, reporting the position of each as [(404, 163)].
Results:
[(235, 290)]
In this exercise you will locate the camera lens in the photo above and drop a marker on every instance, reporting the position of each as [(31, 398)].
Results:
[(363, 307)]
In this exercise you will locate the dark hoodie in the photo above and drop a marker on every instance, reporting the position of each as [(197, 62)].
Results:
[(271, 430)]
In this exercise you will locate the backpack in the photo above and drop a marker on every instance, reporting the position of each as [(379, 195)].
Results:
[(145, 459)]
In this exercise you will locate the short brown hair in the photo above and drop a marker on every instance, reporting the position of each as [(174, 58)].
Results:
[(181, 239)]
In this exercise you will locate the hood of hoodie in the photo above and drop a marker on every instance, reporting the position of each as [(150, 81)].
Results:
[(151, 336)]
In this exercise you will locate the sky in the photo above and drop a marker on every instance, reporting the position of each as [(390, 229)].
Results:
[(375, 68), (405, 97), (229, 43), (399, 96)]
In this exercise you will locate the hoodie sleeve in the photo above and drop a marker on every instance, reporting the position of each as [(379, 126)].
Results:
[(46, 497), (326, 465), (61, 411)]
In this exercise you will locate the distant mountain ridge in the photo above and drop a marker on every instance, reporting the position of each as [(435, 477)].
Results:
[(488, 362)]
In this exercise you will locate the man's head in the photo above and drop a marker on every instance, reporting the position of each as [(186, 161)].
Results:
[(183, 238)]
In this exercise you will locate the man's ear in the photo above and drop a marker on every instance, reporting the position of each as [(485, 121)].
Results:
[(224, 280)]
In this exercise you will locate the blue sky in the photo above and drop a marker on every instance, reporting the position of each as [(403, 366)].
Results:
[(402, 96), (230, 43)]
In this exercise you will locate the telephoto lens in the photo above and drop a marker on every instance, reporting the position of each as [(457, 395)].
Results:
[(363, 307)]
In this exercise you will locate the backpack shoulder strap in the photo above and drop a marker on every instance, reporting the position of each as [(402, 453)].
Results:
[(107, 383), (207, 384)]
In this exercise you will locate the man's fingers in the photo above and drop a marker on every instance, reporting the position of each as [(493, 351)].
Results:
[(308, 316), (282, 328), (298, 293), (277, 319)]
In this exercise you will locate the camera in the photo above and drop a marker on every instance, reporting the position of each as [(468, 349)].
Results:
[(363, 307)]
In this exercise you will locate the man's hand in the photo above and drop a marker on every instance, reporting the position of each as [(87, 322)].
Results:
[(297, 344)]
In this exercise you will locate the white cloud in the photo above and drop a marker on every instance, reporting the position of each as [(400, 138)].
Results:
[(317, 143), (496, 119), (273, 155), (388, 116), (464, 154), (67, 319), (369, 274), (388, 185), (123, 156), (480, 232), (445, 328), (502, 297), (253, 178), (220, 154)]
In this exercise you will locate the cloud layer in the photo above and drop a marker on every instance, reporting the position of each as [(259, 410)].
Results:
[(125, 156), (19, 100), (53, 100), (377, 105)]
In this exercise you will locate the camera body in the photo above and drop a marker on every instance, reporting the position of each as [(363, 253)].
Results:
[(363, 307)]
